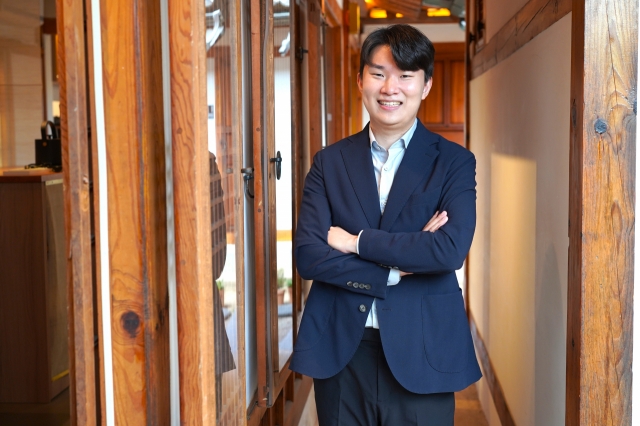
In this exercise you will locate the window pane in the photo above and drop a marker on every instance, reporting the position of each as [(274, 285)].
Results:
[(224, 160), (282, 105)]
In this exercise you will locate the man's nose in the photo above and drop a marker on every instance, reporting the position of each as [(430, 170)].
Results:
[(390, 85)]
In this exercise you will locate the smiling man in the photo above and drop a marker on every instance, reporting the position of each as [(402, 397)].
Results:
[(387, 217)]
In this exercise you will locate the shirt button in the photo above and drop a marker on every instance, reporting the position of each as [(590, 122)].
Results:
[(363, 308)]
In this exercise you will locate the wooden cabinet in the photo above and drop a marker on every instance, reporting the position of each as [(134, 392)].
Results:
[(34, 355), (443, 110)]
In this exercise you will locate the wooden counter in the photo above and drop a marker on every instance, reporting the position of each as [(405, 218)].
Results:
[(34, 357)]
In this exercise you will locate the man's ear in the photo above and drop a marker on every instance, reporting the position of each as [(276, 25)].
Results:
[(359, 80), (427, 88)]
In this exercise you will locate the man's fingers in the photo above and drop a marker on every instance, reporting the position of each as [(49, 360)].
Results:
[(436, 222), (431, 222)]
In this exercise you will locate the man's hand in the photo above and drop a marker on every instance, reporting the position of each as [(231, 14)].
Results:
[(436, 222), (341, 240), (433, 225)]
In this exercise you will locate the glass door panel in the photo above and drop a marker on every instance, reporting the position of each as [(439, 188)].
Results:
[(225, 156), (283, 55)]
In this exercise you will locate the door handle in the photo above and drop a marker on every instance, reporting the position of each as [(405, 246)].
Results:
[(278, 161)]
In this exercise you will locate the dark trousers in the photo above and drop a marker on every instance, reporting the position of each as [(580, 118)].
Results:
[(365, 393)]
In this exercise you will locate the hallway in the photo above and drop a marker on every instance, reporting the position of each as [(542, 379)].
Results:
[(468, 409)]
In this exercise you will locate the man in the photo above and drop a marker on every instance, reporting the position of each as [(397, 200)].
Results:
[(387, 217)]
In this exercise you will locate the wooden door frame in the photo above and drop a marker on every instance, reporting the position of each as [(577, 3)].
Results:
[(604, 58), (84, 389)]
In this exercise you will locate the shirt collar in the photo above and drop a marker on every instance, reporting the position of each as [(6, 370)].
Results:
[(405, 139)]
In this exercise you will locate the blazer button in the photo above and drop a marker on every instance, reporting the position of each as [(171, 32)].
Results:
[(355, 285), (363, 308), (367, 287), (362, 286), (349, 283)]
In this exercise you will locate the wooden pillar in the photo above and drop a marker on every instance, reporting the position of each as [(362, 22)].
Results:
[(601, 211), (314, 26), (135, 169), (76, 171), (192, 207)]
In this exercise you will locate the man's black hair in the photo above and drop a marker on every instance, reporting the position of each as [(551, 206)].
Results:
[(410, 48)]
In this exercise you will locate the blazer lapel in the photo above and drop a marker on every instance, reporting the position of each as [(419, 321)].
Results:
[(359, 165), (416, 163)]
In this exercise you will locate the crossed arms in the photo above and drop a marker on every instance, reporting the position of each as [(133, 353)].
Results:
[(326, 252)]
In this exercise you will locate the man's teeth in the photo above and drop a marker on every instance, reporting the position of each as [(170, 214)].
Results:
[(389, 103)]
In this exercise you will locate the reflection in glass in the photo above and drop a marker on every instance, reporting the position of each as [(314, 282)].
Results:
[(224, 154), (282, 105)]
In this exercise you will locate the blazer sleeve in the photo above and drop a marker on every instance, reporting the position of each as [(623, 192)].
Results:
[(432, 252), (315, 259)]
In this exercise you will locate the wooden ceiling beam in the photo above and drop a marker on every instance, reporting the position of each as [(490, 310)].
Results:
[(421, 19)]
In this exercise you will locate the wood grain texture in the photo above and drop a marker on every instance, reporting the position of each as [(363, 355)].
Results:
[(238, 211), (422, 18), (94, 191), (314, 83), (601, 212), (24, 373), (192, 207), (137, 210), (263, 323), (72, 77), (534, 17)]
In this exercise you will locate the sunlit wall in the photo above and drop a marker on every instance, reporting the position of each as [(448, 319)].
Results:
[(519, 131)]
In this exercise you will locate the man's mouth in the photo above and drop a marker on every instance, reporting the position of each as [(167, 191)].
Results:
[(390, 103)]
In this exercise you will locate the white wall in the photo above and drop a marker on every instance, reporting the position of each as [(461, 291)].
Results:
[(519, 131)]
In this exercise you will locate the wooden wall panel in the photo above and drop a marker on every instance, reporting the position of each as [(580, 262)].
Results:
[(84, 389), (314, 26), (456, 106), (137, 214), (432, 109), (192, 207), (601, 212)]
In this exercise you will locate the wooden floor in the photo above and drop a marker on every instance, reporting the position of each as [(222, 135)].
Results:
[(55, 413), (468, 409)]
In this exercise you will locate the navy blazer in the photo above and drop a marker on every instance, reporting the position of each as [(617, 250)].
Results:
[(422, 320)]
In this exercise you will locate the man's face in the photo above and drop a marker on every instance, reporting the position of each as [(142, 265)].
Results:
[(392, 96)]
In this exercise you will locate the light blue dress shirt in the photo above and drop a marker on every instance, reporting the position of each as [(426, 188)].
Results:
[(385, 166)]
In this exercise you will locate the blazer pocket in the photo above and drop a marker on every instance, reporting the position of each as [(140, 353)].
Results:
[(445, 332)]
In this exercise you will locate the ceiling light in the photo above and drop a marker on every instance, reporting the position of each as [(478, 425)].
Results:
[(399, 15), (378, 13), (435, 11)]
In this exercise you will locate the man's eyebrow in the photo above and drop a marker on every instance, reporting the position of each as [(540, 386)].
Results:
[(380, 67)]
